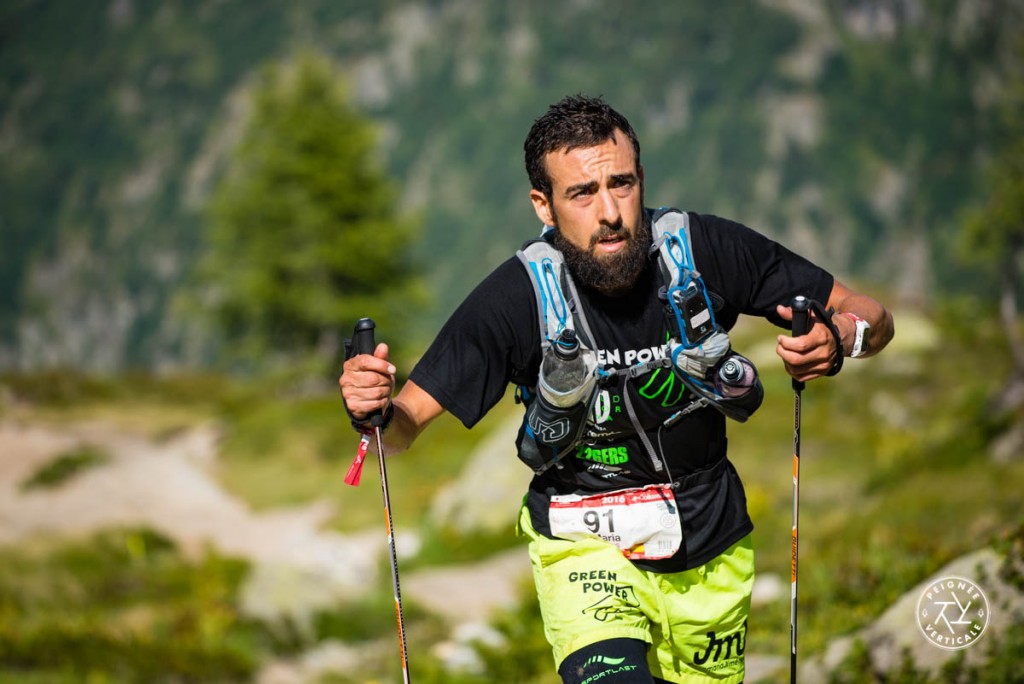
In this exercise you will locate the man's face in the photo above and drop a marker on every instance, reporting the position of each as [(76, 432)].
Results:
[(596, 204)]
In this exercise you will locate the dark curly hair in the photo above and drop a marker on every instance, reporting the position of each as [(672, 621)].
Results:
[(575, 121)]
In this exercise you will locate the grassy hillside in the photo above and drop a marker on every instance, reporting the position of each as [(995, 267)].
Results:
[(898, 478)]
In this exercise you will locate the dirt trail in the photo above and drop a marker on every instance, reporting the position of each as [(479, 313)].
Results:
[(165, 486), (168, 486)]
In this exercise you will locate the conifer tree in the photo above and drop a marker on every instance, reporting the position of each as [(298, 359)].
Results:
[(304, 235)]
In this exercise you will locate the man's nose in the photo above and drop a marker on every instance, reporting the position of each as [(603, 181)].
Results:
[(608, 209)]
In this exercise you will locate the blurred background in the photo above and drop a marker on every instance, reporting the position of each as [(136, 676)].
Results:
[(198, 199)]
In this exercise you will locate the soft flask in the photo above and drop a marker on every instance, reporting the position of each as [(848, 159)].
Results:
[(557, 415)]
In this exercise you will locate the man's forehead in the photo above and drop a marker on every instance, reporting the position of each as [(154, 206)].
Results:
[(617, 138), (613, 155)]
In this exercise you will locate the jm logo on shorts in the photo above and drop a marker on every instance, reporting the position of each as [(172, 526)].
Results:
[(732, 643), (952, 613)]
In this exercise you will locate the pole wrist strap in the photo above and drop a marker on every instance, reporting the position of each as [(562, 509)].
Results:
[(381, 420), (825, 316)]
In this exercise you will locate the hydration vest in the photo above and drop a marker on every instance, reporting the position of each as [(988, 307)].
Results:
[(689, 316)]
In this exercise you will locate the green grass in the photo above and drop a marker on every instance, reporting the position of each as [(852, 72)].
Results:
[(286, 453), (146, 405), (123, 606), (64, 467)]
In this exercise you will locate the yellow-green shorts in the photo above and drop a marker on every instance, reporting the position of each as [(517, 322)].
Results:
[(695, 620)]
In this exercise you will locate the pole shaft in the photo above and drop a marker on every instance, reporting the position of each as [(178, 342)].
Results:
[(794, 569), (363, 343), (801, 326), (396, 588)]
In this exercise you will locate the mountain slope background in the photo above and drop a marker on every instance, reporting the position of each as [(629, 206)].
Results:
[(855, 132)]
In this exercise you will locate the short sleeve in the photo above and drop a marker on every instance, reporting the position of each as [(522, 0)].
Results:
[(490, 340), (751, 272)]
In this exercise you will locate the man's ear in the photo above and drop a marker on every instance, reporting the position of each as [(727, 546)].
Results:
[(542, 207)]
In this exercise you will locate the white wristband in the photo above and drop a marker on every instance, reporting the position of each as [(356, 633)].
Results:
[(860, 339)]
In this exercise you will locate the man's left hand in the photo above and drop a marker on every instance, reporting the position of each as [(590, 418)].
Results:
[(809, 356)]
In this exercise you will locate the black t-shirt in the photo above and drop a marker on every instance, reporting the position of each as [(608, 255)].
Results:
[(493, 339)]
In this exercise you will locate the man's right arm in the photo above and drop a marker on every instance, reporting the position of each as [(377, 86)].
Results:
[(489, 341), (367, 383), (414, 410)]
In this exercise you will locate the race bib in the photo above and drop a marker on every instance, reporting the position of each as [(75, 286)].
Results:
[(643, 522)]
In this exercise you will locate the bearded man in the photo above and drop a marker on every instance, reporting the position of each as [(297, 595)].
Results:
[(639, 533)]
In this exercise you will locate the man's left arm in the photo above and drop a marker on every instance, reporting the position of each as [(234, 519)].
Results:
[(865, 328)]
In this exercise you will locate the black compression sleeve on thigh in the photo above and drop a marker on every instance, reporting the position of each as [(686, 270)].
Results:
[(614, 661)]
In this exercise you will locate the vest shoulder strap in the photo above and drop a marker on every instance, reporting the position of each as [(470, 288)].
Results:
[(555, 294), (670, 230)]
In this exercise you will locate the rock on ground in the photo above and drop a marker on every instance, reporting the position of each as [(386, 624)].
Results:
[(489, 490), (897, 628)]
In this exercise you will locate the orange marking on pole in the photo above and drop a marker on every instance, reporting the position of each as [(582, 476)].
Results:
[(793, 560)]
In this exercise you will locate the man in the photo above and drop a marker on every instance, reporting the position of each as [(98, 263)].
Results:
[(616, 611)]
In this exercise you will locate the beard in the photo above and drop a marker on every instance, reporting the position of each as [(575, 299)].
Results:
[(613, 274)]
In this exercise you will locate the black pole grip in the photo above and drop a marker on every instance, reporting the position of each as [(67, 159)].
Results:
[(801, 320), (363, 343), (362, 339)]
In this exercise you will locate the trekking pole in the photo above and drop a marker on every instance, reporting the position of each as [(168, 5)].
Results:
[(363, 343), (801, 326)]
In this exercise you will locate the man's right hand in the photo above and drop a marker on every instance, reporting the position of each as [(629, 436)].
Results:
[(367, 382)]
